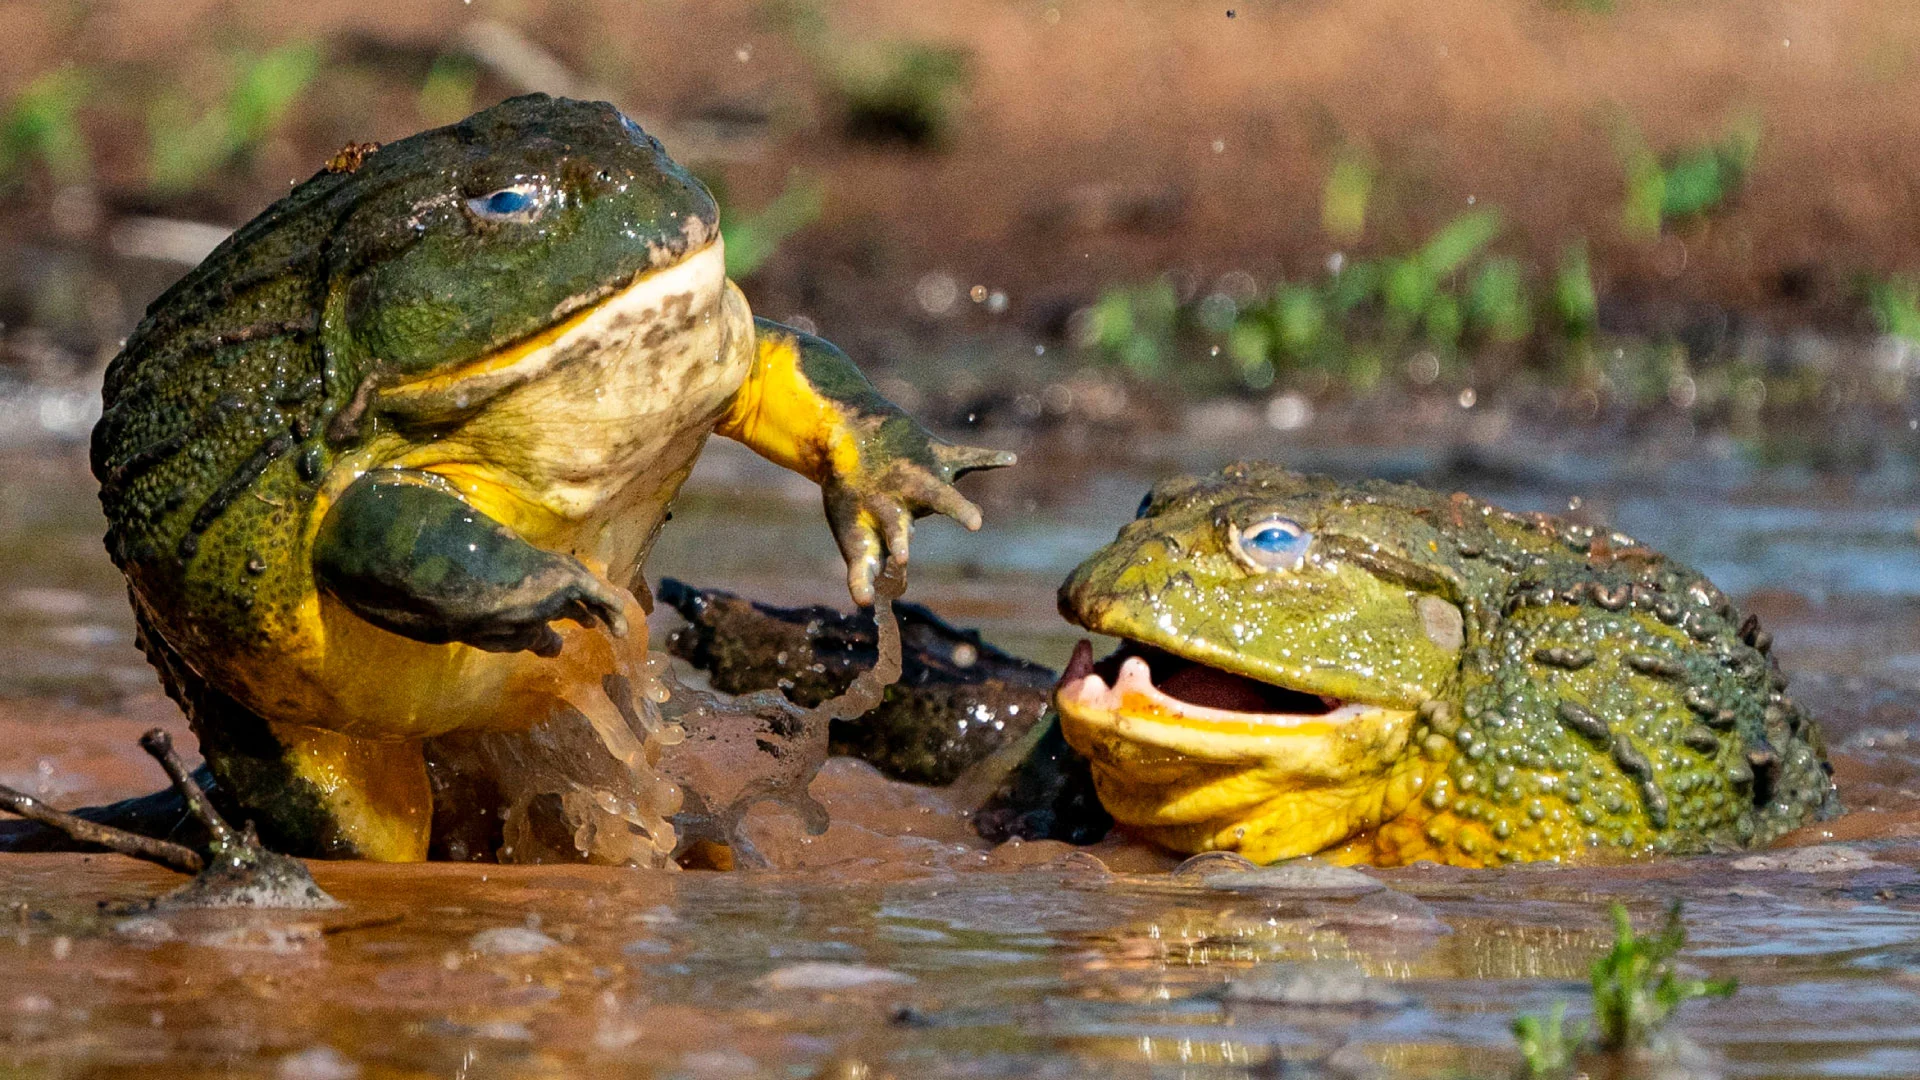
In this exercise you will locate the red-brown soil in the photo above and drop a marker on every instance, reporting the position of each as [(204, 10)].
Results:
[(1107, 141)]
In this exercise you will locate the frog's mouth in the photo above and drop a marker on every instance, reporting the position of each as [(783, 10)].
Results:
[(1145, 709), (1138, 675), (657, 302), (1203, 758)]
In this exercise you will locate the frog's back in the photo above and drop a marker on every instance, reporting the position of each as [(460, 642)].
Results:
[(215, 412), (1616, 700)]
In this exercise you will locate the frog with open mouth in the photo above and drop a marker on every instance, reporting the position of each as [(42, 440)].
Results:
[(1381, 674)]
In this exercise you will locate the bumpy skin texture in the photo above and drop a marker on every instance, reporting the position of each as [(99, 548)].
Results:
[(1603, 702), (357, 464)]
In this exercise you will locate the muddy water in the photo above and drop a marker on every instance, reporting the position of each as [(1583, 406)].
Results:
[(895, 944)]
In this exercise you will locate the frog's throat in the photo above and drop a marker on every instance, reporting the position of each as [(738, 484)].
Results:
[(666, 298), (1269, 785)]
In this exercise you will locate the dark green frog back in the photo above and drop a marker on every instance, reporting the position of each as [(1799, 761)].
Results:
[(235, 393)]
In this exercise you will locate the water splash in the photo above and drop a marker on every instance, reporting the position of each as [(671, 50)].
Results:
[(760, 748), (633, 767)]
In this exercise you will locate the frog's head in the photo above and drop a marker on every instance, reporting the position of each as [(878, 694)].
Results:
[(1278, 635), (460, 247)]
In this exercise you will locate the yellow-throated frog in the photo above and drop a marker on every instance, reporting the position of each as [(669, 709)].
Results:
[(365, 463), (1376, 672)]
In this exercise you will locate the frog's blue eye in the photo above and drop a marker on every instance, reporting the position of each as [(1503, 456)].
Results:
[(517, 203), (1272, 544), (1146, 504)]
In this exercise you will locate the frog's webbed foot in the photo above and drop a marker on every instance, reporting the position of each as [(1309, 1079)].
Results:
[(806, 406), (240, 871), (408, 555), (903, 473)]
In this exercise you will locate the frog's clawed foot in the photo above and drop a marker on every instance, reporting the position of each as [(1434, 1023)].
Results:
[(564, 590), (872, 516)]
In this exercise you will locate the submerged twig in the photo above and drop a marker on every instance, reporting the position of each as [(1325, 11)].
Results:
[(160, 744), (165, 852), (240, 872)]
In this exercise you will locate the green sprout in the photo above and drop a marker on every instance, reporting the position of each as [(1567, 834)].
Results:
[(1343, 202), (1576, 303), (1497, 306), (1635, 989), (1134, 327), (902, 92), (1635, 993), (1415, 289), (753, 238), (187, 149), (1688, 184), (41, 126), (1895, 305), (447, 93), (1547, 1045)]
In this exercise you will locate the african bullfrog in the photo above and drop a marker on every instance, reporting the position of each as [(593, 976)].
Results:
[(395, 453), (1385, 674)]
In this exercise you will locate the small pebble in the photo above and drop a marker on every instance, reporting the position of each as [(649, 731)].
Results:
[(504, 1031), (719, 1065), (828, 976), (317, 1063), (1300, 876), (1818, 859), (1316, 986), (146, 928), (511, 941)]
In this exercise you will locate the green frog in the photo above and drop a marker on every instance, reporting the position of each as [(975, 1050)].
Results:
[(387, 465), (1384, 674)]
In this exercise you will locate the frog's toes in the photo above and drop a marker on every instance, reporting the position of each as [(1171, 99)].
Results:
[(961, 460)]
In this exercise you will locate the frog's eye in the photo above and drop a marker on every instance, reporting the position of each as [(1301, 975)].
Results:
[(1273, 544), (1146, 504), (521, 202)]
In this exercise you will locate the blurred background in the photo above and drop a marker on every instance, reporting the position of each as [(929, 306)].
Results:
[(1036, 212)]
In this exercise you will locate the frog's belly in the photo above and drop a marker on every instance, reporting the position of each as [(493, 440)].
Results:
[(583, 460), (379, 685), (585, 457)]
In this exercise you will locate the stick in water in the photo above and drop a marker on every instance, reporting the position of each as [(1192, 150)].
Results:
[(221, 835), (165, 852)]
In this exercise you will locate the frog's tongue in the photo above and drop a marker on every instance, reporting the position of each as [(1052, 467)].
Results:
[(1182, 686)]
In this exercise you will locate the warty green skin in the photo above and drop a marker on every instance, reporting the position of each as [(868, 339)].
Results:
[(1605, 698), (247, 379)]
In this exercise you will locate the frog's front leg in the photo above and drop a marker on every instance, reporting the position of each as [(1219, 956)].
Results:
[(804, 405), (401, 550)]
